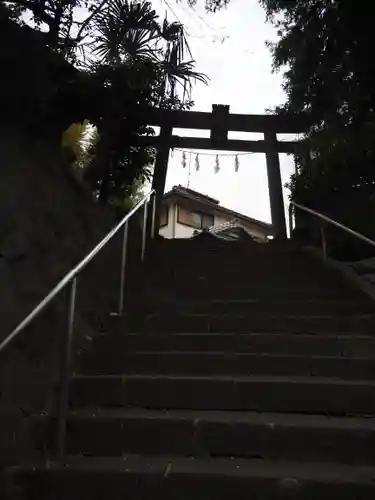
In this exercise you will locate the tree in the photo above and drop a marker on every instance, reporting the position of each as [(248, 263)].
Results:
[(324, 46), (211, 5), (133, 61), (141, 62), (58, 20)]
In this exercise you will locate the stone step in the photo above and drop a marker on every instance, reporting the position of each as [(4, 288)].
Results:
[(264, 292), (250, 306), (270, 436), (216, 245), (222, 260), (348, 345), (243, 286), (139, 477), (312, 395), (257, 322), (285, 278), (186, 248), (222, 363), (248, 291), (238, 266), (199, 257), (213, 266), (223, 265)]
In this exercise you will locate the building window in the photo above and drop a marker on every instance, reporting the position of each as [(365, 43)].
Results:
[(164, 216), (198, 220), (207, 221)]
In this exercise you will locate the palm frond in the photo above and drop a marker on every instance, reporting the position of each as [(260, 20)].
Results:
[(126, 29), (175, 37), (182, 74), (130, 30)]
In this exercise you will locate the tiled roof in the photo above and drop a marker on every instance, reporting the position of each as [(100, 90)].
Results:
[(190, 193)]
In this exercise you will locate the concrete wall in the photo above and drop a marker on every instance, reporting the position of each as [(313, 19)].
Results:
[(169, 231), (166, 231), (183, 231)]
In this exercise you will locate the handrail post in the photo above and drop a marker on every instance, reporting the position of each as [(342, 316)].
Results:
[(290, 220), (324, 242), (63, 397), (153, 216), (123, 267), (143, 250)]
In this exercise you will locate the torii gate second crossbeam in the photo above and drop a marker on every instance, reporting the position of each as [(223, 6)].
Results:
[(220, 122)]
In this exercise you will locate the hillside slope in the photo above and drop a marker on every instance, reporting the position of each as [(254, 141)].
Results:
[(48, 223)]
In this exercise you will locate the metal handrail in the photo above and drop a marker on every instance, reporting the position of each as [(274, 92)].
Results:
[(330, 221), (71, 278)]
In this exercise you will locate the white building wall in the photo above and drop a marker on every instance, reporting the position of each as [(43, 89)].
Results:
[(166, 231), (169, 231), (183, 231)]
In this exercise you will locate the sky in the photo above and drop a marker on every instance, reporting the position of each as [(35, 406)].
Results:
[(229, 47)]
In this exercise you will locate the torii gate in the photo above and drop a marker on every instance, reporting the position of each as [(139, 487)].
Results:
[(219, 122)]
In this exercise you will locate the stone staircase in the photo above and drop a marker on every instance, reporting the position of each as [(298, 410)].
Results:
[(241, 370)]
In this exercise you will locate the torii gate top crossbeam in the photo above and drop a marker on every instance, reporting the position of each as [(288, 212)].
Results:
[(287, 124)]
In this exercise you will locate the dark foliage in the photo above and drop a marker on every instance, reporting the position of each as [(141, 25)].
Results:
[(63, 29), (330, 74), (210, 5), (34, 80), (132, 61), (325, 49)]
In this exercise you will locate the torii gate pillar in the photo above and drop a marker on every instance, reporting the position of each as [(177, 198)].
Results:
[(161, 167), (274, 185)]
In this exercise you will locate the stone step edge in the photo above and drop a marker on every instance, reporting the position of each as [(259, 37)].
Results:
[(236, 379), (302, 336), (196, 417), (212, 469), (247, 354)]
